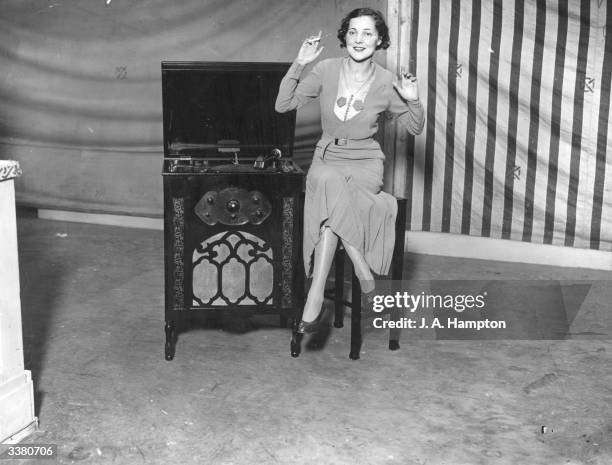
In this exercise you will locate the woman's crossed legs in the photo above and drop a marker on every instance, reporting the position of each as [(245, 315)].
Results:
[(323, 257)]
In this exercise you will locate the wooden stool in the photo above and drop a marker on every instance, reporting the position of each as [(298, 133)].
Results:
[(337, 293), (397, 265)]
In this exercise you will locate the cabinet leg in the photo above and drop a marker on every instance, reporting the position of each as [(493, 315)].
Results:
[(296, 340), (170, 329)]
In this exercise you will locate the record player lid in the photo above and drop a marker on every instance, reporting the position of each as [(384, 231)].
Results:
[(213, 107)]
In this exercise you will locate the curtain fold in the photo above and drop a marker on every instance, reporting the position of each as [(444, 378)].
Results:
[(81, 87)]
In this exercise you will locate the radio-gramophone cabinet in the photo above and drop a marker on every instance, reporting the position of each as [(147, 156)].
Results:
[(232, 209)]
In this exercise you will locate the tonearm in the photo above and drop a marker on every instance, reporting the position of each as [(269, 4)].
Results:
[(261, 162)]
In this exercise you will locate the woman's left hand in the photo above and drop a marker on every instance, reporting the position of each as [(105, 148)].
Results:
[(407, 86)]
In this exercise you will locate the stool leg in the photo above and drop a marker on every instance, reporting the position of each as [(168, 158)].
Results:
[(397, 266), (339, 289), (355, 318)]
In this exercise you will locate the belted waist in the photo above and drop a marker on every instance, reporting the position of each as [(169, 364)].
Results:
[(326, 139), (343, 147)]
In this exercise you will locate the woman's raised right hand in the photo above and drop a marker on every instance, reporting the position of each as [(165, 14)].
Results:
[(309, 50)]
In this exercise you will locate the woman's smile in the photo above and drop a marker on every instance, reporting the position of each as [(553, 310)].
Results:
[(362, 38)]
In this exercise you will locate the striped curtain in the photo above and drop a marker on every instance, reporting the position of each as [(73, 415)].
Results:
[(517, 142)]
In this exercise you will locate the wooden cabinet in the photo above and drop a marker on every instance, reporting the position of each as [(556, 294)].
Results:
[(232, 194)]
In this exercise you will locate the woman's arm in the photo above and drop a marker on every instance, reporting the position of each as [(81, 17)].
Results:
[(293, 92), (405, 101), (411, 113)]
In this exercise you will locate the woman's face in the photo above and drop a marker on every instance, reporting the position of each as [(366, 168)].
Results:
[(362, 38)]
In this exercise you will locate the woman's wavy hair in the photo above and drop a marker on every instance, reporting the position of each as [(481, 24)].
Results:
[(379, 20)]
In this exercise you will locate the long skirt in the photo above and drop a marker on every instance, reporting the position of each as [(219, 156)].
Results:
[(343, 192)]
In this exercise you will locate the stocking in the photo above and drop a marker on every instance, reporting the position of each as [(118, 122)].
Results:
[(362, 269), (324, 255)]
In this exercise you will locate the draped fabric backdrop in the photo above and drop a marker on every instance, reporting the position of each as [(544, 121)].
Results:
[(517, 143), (517, 94), (80, 85)]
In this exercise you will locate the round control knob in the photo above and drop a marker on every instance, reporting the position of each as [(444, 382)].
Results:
[(259, 212), (210, 200), (255, 199), (232, 206)]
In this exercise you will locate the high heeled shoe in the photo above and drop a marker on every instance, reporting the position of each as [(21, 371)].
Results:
[(306, 327), (299, 328), (298, 334), (367, 302)]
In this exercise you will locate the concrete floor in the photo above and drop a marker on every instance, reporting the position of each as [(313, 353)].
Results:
[(92, 303)]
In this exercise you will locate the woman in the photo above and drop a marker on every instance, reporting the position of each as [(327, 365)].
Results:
[(343, 187)]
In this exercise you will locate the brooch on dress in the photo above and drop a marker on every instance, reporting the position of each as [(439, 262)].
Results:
[(357, 104)]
